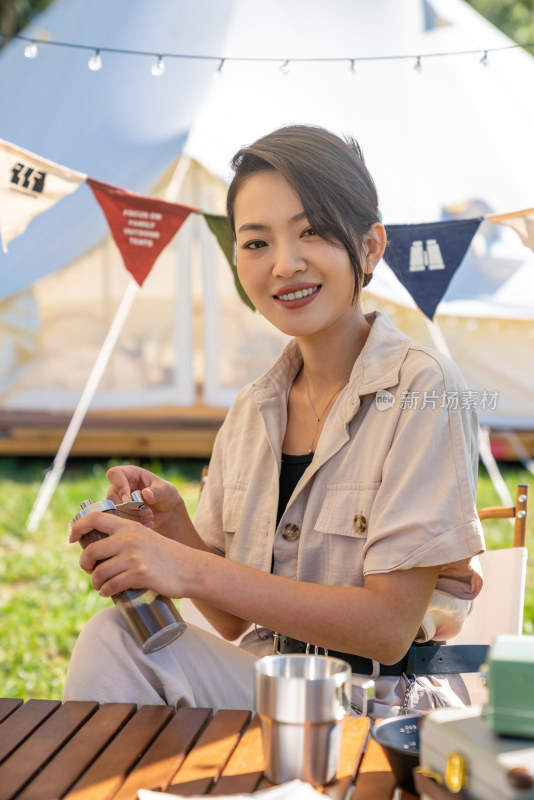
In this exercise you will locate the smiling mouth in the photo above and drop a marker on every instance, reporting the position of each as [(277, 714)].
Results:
[(297, 295)]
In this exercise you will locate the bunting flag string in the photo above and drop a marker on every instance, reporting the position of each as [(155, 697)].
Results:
[(423, 256)]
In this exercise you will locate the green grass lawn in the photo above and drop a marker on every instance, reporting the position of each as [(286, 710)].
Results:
[(45, 598)]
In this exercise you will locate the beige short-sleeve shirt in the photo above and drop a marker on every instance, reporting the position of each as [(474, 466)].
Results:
[(392, 484)]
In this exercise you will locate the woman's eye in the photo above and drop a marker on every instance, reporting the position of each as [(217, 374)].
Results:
[(254, 245), (309, 232)]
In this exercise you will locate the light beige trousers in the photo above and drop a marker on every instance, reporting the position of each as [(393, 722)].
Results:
[(198, 669), (202, 670)]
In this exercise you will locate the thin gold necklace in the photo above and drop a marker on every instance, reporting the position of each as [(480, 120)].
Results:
[(318, 417)]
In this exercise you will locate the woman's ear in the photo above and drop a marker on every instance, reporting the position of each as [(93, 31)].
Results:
[(375, 243)]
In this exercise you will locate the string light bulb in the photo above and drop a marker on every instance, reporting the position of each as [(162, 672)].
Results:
[(219, 70), (485, 60), (352, 67), (418, 68), (31, 50), (158, 67), (284, 68), (95, 62)]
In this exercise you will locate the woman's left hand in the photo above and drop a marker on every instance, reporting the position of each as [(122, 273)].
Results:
[(131, 557), (165, 509)]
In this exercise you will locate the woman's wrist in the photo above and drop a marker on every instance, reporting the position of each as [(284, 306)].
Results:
[(179, 527)]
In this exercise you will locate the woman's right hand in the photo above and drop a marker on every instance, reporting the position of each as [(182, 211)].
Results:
[(164, 509)]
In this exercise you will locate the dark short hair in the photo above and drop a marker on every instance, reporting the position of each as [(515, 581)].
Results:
[(328, 174)]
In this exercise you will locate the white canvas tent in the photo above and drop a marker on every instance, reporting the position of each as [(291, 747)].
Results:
[(455, 138)]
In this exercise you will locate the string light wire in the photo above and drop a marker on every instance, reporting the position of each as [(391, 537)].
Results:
[(483, 52)]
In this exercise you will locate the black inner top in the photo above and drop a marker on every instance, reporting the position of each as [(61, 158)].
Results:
[(292, 469)]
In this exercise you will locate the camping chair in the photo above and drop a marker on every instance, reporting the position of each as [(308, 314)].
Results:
[(498, 609)]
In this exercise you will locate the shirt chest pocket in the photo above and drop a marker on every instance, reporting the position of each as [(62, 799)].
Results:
[(245, 528), (346, 509), (234, 496)]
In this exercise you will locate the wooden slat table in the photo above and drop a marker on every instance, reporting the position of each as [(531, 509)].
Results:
[(83, 751)]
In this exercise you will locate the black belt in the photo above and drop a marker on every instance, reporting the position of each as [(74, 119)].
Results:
[(428, 658)]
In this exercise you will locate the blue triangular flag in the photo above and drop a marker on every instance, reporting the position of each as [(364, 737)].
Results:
[(425, 257)]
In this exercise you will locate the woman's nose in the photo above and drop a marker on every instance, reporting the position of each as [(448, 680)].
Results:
[(287, 262)]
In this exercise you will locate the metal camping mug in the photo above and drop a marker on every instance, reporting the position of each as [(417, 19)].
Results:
[(153, 619), (301, 701)]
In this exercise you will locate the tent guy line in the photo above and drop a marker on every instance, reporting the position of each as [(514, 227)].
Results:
[(351, 60)]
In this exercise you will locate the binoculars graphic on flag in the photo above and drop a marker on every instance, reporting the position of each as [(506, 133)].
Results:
[(425, 255)]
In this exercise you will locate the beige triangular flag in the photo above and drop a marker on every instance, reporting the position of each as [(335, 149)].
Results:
[(521, 221), (29, 185)]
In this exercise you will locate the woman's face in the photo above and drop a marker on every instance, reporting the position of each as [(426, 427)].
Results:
[(297, 280)]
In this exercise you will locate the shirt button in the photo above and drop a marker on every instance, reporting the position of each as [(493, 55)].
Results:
[(360, 523), (291, 532)]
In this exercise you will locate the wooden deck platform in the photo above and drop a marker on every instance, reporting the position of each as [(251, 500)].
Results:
[(161, 432), (180, 432)]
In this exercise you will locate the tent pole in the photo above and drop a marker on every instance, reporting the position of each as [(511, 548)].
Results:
[(519, 451), (484, 448), (489, 462), (54, 474)]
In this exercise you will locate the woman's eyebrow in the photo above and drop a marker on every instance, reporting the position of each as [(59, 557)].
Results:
[(253, 226), (258, 226)]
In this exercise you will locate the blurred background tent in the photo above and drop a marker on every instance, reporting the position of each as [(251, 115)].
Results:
[(453, 139)]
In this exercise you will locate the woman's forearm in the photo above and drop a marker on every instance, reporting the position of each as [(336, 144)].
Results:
[(181, 529), (378, 620), (228, 625), (367, 620)]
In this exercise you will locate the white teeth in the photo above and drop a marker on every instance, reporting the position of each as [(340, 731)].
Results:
[(297, 295)]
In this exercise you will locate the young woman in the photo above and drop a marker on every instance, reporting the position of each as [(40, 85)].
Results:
[(335, 513)]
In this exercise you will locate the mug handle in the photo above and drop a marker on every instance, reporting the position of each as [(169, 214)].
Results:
[(368, 695)]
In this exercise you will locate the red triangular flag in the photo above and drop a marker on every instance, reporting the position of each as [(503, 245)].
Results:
[(141, 226)]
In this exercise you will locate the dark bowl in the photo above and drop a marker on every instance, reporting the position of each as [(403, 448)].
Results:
[(399, 738)]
